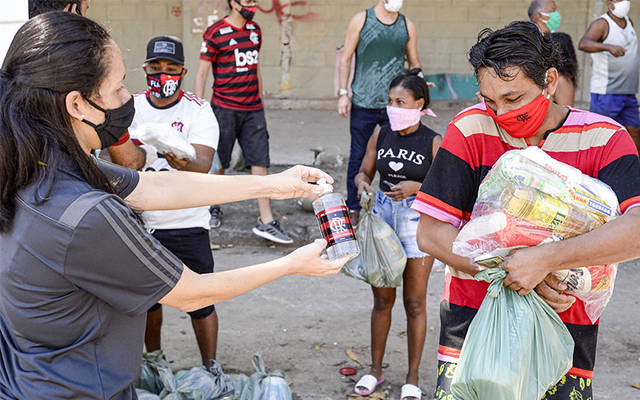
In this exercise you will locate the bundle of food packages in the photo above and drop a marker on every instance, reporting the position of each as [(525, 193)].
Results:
[(528, 199)]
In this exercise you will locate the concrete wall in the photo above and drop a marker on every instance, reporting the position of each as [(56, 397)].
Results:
[(12, 17), (446, 29)]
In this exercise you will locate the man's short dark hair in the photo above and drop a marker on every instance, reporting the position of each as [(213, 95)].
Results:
[(534, 7), (519, 44), (37, 7)]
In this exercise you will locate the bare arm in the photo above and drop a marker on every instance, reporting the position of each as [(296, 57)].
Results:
[(436, 238), (165, 191), (195, 291), (613, 242), (412, 45), (592, 40), (201, 78), (260, 83), (368, 166), (128, 155), (349, 48), (437, 142), (202, 162)]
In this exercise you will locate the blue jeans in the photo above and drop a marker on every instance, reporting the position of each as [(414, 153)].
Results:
[(403, 220), (362, 124)]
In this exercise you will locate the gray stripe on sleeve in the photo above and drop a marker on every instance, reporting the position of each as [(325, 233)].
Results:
[(80, 206), (138, 246)]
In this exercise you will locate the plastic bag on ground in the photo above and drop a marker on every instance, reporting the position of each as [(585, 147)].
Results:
[(165, 139), (265, 386), (516, 347), (382, 258), (146, 395), (155, 373), (197, 383), (239, 381), (527, 199)]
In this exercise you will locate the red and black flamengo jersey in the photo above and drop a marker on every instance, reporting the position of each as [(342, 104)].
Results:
[(234, 54)]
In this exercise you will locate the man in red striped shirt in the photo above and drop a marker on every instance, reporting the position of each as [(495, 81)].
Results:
[(516, 71), (231, 50)]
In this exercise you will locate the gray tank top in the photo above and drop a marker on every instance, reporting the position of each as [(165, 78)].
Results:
[(616, 75), (379, 58)]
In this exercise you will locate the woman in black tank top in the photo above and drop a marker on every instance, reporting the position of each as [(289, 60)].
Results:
[(402, 154)]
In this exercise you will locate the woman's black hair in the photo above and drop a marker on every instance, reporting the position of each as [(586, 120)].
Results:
[(51, 55), (569, 64), (413, 83), (519, 44)]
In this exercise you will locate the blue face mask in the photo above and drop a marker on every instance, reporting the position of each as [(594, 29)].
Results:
[(554, 20)]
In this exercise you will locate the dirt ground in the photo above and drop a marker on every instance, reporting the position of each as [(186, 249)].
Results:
[(304, 326)]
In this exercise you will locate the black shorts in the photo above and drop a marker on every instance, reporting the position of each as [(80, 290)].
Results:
[(192, 246), (250, 129)]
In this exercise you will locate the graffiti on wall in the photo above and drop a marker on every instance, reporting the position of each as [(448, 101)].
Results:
[(283, 9)]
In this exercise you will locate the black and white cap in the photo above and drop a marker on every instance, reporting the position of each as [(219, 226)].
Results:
[(165, 48)]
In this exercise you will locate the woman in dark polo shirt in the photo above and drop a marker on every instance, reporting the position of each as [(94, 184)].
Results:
[(78, 271)]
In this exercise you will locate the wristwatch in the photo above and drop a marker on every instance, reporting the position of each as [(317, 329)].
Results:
[(342, 92)]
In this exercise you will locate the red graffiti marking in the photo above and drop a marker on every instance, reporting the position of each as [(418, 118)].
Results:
[(284, 10), (176, 11), (281, 10)]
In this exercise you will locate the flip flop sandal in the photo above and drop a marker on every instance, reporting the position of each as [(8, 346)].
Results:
[(369, 382), (410, 391)]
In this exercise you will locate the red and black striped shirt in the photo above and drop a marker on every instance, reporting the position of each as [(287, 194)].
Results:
[(234, 54), (596, 145)]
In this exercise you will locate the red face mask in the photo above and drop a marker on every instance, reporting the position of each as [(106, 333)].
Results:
[(523, 122)]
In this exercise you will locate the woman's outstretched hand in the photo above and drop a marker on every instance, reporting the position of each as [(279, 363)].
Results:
[(307, 260), (297, 182)]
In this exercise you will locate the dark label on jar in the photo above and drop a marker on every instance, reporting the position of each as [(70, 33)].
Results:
[(335, 225)]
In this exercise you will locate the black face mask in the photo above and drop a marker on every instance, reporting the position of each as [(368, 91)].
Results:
[(247, 12), (116, 122)]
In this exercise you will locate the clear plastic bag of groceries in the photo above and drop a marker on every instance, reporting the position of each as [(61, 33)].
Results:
[(528, 198), (382, 258), (165, 139)]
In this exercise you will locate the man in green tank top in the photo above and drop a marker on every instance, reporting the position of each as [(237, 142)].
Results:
[(380, 38)]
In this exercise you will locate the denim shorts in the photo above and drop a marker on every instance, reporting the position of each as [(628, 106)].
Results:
[(403, 220)]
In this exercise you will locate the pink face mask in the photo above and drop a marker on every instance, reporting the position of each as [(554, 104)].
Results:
[(403, 118)]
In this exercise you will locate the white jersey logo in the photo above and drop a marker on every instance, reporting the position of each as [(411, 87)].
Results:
[(226, 30), (170, 87), (250, 26), (254, 38), (203, 48), (232, 42), (248, 58)]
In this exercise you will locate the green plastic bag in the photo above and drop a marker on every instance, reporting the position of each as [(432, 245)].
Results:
[(155, 373), (382, 258), (516, 347), (265, 386), (200, 384)]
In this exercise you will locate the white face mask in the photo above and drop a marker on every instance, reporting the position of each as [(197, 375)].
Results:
[(393, 5), (621, 8)]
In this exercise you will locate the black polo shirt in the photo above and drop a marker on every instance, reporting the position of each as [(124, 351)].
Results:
[(78, 273)]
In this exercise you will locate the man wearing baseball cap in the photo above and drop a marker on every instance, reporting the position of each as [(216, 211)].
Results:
[(167, 109)]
